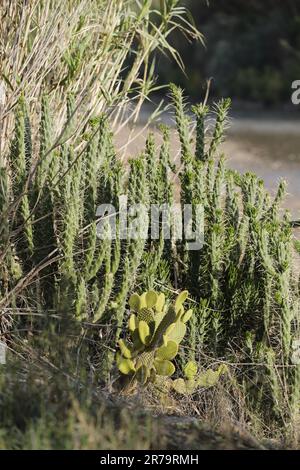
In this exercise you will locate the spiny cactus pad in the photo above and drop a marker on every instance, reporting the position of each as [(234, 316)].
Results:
[(146, 358), (146, 314)]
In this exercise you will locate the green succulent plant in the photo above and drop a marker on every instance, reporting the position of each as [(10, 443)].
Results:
[(192, 380), (156, 329)]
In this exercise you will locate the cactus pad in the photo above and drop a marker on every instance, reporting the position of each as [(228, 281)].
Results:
[(177, 332), (167, 352), (144, 332), (190, 369), (186, 316), (151, 298), (160, 303), (132, 322), (142, 374), (210, 377), (126, 366), (146, 314), (180, 299), (135, 302), (184, 387), (165, 368), (146, 358), (166, 321), (125, 349)]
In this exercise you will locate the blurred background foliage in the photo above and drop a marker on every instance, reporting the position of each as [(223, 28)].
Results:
[(251, 53)]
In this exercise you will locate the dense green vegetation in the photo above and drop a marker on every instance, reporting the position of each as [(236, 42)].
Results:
[(243, 292), (79, 311)]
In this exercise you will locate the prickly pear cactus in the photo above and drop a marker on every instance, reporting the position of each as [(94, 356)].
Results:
[(193, 380), (155, 331)]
